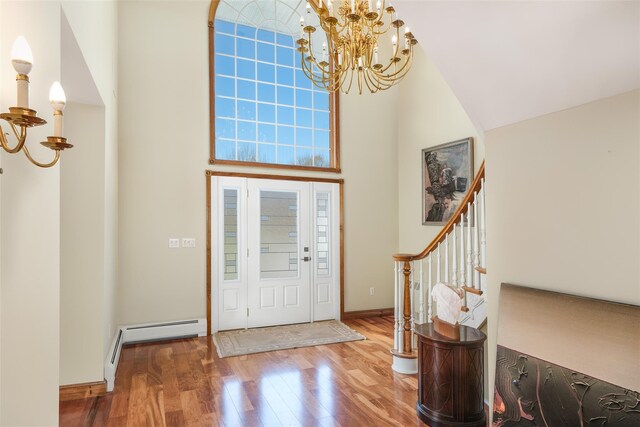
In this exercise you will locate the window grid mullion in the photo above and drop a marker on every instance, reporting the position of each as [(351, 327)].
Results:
[(311, 141)]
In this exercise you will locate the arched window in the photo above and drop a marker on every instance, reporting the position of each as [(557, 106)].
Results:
[(264, 110)]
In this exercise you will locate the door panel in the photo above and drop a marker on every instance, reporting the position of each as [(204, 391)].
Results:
[(326, 238), (278, 232), (232, 268)]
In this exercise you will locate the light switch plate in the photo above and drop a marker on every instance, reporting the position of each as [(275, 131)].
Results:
[(189, 243), (174, 243)]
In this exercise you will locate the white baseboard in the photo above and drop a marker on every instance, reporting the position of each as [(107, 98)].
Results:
[(148, 332)]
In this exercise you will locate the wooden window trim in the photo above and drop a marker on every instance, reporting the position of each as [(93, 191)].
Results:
[(334, 117)]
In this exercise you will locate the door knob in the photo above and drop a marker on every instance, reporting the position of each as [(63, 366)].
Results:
[(306, 259)]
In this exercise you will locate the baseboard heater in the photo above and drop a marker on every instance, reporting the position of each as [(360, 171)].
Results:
[(145, 333)]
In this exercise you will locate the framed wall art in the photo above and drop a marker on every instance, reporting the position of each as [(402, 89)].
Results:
[(447, 173)]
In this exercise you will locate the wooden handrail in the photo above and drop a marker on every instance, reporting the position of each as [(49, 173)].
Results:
[(448, 227)]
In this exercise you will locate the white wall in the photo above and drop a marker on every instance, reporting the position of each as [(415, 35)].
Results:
[(30, 221), (563, 204), (94, 25), (164, 133), (30, 230), (163, 153), (82, 246), (428, 114)]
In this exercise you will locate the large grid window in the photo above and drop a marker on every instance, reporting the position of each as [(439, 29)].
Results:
[(266, 110)]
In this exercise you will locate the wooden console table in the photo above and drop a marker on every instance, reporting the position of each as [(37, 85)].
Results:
[(451, 378)]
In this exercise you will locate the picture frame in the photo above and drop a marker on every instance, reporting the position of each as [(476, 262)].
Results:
[(447, 174)]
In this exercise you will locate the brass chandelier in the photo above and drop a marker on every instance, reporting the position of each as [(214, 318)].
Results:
[(353, 28)]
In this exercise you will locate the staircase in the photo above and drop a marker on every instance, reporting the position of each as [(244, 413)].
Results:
[(456, 257)]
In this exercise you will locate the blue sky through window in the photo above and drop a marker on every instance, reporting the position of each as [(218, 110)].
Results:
[(266, 109)]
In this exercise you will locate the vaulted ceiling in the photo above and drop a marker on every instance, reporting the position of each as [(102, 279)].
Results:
[(509, 61)]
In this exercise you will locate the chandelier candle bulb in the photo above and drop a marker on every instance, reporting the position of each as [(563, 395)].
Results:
[(353, 6), (394, 42), (58, 100), (22, 61), (378, 7), (369, 5), (330, 7)]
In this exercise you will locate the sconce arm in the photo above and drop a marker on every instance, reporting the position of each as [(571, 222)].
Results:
[(42, 165), (21, 138)]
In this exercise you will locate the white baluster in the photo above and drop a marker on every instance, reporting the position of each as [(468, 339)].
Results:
[(401, 311), (483, 236), (412, 294), (396, 309), (438, 267), (454, 276), (461, 261), (469, 282), (446, 259), (476, 239), (462, 274), (429, 301), (421, 317)]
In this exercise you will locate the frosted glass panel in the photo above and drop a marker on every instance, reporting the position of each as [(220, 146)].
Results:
[(278, 234), (230, 234), (322, 234)]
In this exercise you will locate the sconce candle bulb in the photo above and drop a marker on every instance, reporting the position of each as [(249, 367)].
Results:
[(21, 56), (22, 61), (58, 100)]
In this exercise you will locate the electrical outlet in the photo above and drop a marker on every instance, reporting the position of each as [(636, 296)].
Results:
[(189, 243), (372, 291), (174, 243)]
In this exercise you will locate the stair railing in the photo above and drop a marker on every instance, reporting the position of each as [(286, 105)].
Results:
[(456, 256)]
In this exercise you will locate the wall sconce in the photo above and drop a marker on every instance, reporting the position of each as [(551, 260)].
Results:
[(23, 117)]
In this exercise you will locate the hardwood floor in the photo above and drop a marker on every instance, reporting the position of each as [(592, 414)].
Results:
[(185, 383)]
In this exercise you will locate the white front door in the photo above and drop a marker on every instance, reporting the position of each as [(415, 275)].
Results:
[(279, 253), (276, 244)]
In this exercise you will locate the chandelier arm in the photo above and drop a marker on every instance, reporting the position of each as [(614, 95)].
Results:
[(383, 80), (21, 138), (392, 63), (366, 79), (372, 81), (380, 85), (350, 81), (398, 73), (317, 81), (307, 68), (42, 165)]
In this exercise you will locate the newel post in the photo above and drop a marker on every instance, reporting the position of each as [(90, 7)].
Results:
[(404, 354)]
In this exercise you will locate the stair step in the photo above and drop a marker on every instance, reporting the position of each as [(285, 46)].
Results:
[(472, 290), (482, 270)]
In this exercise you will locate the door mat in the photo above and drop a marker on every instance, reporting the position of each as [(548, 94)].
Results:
[(258, 340)]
